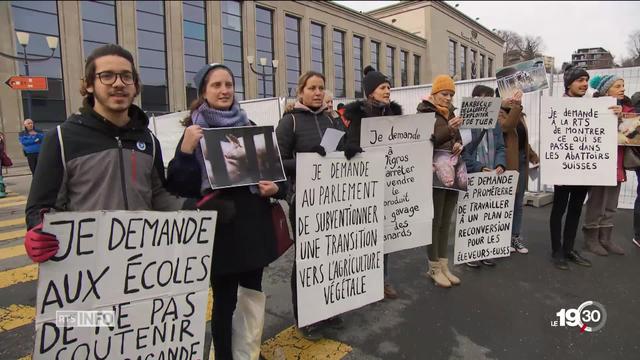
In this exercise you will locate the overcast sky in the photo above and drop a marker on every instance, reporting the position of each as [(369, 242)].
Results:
[(563, 25)]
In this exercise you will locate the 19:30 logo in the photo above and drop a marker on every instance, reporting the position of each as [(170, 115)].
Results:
[(590, 316)]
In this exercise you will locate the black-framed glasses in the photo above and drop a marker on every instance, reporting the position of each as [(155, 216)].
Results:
[(110, 77)]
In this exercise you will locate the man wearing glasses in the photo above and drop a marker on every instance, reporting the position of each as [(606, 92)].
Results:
[(102, 158)]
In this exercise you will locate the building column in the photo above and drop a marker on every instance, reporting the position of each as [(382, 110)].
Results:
[(329, 69), (10, 100), (349, 76), (70, 24), (279, 53), (410, 68), (305, 44), (249, 41), (366, 52), (214, 32), (127, 31), (175, 64)]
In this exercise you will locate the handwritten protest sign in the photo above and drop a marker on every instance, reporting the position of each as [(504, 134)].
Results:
[(149, 270), (485, 216), (479, 112), (339, 233), (408, 207), (578, 140)]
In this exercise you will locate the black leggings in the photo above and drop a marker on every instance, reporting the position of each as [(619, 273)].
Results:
[(225, 296), (573, 196)]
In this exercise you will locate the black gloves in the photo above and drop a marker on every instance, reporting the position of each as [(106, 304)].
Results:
[(319, 150), (351, 151)]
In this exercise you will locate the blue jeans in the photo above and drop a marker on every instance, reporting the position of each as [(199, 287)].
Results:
[(636, 210), (519, 201)]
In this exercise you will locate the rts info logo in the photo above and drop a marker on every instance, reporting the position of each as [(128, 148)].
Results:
[(590, 316)]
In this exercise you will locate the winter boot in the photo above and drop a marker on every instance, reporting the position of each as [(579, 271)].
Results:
[(444, 265), (592, 243), (435, 272), (606, 239)]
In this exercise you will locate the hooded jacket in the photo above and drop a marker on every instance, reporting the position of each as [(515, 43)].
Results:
[(356, 111), (443, 136), (300, 130), (509, 123), (105, 168)]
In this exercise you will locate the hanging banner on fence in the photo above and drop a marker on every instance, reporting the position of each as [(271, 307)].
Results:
[(629, 130), (408, 207), (241, 156), (578, 141), (125, 285), (527, 76), (339, 233), (479, 112), (485, 216)]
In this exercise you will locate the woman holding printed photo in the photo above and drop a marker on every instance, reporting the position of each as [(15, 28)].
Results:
[(446, 136), (245, 239)]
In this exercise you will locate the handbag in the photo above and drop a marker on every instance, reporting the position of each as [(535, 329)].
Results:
[(631, 160), (6, 160), (280, 228)]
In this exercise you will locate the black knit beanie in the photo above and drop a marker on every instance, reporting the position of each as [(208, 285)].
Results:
[(372, 79), (573, 73)]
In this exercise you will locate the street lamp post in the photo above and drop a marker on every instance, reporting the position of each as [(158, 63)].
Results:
[(263, 63), (23, 40)]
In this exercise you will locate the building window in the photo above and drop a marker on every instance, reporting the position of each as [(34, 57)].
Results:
[(390, 64), (452, 58), (338, 61), (416, 70), (264, 49), (152, 56), (482, 63), (463, 63), (232, 43), (40, 19), (317, 48), (292, 39), (404, 73), (195, 44), (358, 64), (474, 64), (98, 24), (490, 69), (375, 55)]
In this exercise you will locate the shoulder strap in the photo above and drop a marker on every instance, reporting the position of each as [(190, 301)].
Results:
[(62, 156), (294, 123)]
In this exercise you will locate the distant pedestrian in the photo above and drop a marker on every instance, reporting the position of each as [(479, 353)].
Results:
[(31, 140), (3, 192)]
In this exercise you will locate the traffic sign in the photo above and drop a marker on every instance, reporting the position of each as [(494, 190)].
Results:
[(28, 83)]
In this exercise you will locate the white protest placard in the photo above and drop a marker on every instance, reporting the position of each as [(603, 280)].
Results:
[(479, 112), (331, 139), (408, 201), (339, 233), (146, 272), (578, 141), (485, 216)]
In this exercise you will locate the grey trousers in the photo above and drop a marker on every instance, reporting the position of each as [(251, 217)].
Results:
[(602, 205)]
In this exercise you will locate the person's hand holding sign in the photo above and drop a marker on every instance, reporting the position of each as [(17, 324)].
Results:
[(267, 188), (455, 123), (191, 139)]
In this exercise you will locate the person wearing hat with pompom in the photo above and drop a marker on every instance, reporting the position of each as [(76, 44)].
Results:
[(602, 203), (446, 136), (568, 198), (377, 102)]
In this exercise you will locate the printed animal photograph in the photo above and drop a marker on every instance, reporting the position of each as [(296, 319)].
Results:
[(526, 76), (629, 130), (241, 156), (449, 171)]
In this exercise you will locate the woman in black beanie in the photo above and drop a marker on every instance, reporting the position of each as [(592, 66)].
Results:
[(377, 102)]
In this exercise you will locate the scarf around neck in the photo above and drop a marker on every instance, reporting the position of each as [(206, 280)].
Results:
[(208, 117)]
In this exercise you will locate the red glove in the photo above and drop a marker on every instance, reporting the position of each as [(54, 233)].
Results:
[(40, 246)]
